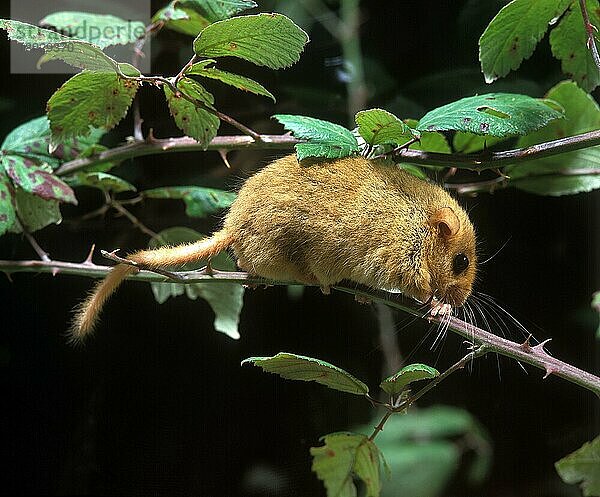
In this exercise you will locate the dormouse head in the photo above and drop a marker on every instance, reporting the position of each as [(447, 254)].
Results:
[(452, 259)]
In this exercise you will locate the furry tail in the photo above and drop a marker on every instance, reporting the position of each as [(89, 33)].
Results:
[(86, 314)]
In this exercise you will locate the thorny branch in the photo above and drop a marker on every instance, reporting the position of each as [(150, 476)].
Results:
[(525, 352), (476, 162)]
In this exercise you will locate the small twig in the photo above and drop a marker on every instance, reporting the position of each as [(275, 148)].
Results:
[(189, 64), (42, 254), (134, 220), (156, 146), (591, 30)]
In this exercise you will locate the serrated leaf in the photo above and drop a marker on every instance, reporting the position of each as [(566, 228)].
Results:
[(343, 456), (225, 299), (513, 34), (297, 367), (468, 143), (7, 209), (380, 127), (270, 40), (35, 212), (181, 19), (423, 449), (199, 201), (562, 174), (32, 140), (240, 82), (193, 120), (569, 45), (429, 141), (99, 29), (495, 114), (28, 34), (583, 467), (102, 181), (221, 9), (37, 179), (79, 54), (89, 99), (325, 139), (394, 384)]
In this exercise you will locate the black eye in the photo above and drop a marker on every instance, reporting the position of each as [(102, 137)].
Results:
[(460, 263)]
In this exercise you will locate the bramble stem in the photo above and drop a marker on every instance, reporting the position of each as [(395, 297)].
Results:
[(525, 353), (476, 162)]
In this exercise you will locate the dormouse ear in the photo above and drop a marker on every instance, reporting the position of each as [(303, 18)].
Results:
[(446, 221)]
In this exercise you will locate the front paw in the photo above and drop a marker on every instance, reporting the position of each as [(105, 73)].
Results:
[(438, 308)]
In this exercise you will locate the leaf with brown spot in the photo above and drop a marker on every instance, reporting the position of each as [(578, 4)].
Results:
[(37, 179), (93, 92), (568, 42)]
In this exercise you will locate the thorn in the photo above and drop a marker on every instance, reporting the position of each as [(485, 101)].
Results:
[(208, 270), (9, 278), (526, 345), (88, 259), (150, 138), (223, 154), (540, 347), (549, 371), (54, 271)]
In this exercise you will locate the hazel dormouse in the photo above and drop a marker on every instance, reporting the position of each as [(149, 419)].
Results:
[(319, 223)]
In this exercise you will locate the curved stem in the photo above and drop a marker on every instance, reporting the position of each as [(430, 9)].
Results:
[(524, 352), (590, 30), (478, 162)]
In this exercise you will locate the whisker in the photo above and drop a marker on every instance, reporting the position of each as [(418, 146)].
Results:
[(495, 253)]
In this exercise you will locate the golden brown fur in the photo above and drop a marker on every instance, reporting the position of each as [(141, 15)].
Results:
[(320, 223)]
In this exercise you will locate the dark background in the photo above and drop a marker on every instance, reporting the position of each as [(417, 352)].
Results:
[(157, 404)]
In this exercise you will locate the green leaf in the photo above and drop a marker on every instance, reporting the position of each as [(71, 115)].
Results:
[(89, 99), (79, 54), (35, 212), (325, 139), (101, 30), (37, 179), (429, 141), (220, 9), (569, 44), (7, 209), (468, 143), (380, 127), (199, 201), (225, 299), (413, 372), (583, 467), (32, 140), (343, 456), (270, 40), (240, 82), (193, 120), (181, 19), (513, 34), (102, 181), (496, 114), (424, 449), (565, 173), (297, 367), (28, 34), (596, 307)]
